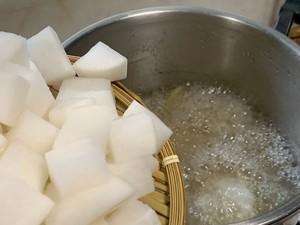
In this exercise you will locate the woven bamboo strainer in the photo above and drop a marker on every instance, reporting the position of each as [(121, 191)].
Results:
[(168, 199)]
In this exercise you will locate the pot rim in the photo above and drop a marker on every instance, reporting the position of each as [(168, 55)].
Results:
[(291, 207), (184, 9)]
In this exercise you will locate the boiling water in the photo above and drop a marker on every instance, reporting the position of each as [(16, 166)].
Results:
[(236, 164)]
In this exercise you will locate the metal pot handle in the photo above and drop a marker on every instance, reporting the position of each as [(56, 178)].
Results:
[(289, 14)]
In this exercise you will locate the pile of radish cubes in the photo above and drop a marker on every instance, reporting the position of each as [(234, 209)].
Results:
[(71, 160)]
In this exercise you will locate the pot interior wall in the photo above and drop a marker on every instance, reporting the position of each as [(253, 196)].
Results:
[(169, 48)]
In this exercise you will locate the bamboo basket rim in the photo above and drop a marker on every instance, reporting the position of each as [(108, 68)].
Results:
[(169, 198)]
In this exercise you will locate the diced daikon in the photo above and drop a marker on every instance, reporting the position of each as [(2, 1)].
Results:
[(47, 52), (39, 97), (13, 94), (92, 121), (97, 88), (105, 98), (77, 167), (37, 133), (61, 109), (99, 221), (20, 204), (163, 132), (134, 212), (132, 137), (20, 162), (137, 175), (102, 61), (13, 48), (147, 161), (82, 87), (85, 207), (52, 192), (152, 163)]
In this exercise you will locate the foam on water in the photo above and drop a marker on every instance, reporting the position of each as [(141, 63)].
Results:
[(236, 164)]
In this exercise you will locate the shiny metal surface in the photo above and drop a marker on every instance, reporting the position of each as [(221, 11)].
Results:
[(166, 46)]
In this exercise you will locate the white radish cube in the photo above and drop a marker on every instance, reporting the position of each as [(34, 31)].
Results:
[(102, 61), (82, 87), (132, 137), (3, 143), (52, 192), (20, 204), (99, 221), (47, 52), (61, 109), (105, 98), (77, 167), (20, 162), (148, 161), (140, 177), (134, 212), (35, 132), (152, 163), (85, 207), (39, 97), (13, 94), (13, 48), (88, 121), (163, 132)]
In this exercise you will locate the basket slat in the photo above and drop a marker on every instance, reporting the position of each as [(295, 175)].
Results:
[(162, 187), (163, 220), (156, 205), (160, 197), (168, 200)]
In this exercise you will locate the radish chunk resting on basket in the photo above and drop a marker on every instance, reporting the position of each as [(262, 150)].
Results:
[(86, 206), (80, 88), (71, 159), (137, 175), (47, 52), (61, 109), (163, 133), (20, 204), (76, 167), (76, 92), (13, 48), (23, 163), (39, 96), (102, 61), (92, 121), (133, 213), (13, 93), (128, 136), (41, 135)]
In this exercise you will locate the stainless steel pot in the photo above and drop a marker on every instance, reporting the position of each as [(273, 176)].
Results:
[(178, 44)]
